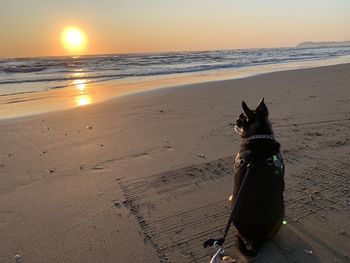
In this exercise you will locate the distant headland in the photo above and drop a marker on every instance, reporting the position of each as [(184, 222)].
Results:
[(323, 44)]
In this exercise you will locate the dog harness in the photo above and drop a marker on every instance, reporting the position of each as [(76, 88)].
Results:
[(275, 160)]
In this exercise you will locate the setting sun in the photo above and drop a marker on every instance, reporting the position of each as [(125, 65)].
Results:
[(74, 39)]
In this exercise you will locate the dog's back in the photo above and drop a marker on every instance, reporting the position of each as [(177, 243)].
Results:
[(258, 191), (259, 209)]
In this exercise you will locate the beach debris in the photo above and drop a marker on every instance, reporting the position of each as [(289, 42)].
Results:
[(146, 240), (341, 142), (228, 259), (187, 254), (179, 230), (2, 164), (10, 155), (161, 111), (201, 155), (98, 167), (117, 204), (89, 127), (307, 251), (42, 153), (18, 258), (52, 171), (191, 174), (342, 232), (230, 199), (127, 203), (311, 197)]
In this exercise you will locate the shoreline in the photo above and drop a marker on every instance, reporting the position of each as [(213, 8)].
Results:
[(146, 177), (83, 94)]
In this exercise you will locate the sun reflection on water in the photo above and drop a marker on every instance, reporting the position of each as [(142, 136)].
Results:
[(82, 97), (80, 84), (83, 100)]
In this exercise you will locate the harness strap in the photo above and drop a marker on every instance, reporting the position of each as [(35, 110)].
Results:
[(275, 160)]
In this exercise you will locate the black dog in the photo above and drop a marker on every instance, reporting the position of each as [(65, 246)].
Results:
[(258, 181)]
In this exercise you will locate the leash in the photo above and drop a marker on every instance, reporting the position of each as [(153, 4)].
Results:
[(211, 242)]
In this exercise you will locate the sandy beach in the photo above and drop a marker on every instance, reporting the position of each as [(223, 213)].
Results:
[(146, 177)]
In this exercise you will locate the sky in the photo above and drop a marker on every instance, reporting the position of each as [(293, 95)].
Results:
[(33, 27)]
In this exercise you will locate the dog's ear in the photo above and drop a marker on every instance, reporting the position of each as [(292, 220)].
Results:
[(247, 111), (262, 109)]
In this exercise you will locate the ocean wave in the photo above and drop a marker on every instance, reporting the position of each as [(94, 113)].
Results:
[(145, 73), (101, 67), (22, 69)]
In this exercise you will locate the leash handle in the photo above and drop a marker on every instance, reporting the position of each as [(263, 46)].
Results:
[(217, 253)]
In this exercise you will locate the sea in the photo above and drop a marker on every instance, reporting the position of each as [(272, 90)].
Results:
[(40, 74), (35, 85)]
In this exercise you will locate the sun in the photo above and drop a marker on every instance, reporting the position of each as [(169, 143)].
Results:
[(74, 39)]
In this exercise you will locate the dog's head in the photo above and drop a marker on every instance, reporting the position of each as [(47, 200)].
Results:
[(253, 122)]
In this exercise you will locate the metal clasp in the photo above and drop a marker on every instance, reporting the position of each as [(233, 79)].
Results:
[(270, 161), (218, 252)]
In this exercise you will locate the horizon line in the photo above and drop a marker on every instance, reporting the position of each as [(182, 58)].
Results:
[(147, 52), (170, 51)]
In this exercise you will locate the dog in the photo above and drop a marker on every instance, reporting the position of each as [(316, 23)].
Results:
[(258, 211)]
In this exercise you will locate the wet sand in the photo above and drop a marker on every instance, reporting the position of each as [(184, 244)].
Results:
[(83, 91), (146, 177)]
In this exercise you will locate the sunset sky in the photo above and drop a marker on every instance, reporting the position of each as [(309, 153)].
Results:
[(34, 27)]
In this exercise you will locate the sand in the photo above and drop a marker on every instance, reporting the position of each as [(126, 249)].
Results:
[(146, 177)]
